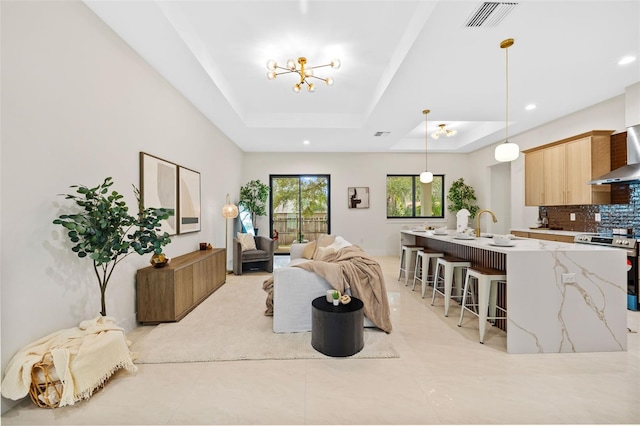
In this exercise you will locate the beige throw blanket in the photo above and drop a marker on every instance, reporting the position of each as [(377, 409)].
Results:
[(84, 357), (350, 268)]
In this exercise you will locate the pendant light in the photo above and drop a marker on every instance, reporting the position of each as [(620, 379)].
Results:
[(426, 176), (507, 151)]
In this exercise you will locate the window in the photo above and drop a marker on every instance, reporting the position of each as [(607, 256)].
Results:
[(408, 197), (300, 208)]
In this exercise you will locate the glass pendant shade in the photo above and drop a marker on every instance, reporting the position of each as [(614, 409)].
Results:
[(507, 151), (426, 177)]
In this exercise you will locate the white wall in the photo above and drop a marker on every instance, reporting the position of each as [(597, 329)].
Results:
[(632, 105), (79, 105), (369, 228)]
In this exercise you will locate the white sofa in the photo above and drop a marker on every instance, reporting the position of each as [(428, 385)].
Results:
[(293, 291)]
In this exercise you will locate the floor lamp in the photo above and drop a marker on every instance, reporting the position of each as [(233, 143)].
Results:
[(229, 211)]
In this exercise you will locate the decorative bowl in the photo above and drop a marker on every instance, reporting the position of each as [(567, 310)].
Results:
[(501, 240)]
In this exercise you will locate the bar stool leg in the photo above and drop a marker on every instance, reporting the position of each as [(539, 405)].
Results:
[(483, 302), (418, 268), (448, 284), (457, 272), (402, 256), (407, 266), (493, 300), (436, 275), (464, 297), (425, 275)]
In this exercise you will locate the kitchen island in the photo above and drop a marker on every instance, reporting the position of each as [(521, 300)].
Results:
[(560, 297)]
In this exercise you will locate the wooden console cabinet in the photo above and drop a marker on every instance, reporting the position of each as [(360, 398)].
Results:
[(168, 294)]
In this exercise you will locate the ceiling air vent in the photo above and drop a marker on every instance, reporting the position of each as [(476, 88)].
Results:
[(381, 134), (489, 14)]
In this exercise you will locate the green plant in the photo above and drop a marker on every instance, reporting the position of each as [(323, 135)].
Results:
[(461, 196), (335, 295), (254, 196), (105, 232)]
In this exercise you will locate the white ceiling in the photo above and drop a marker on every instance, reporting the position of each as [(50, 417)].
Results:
[(398, 58)]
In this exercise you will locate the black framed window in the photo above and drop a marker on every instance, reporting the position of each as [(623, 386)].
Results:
[(407, 197), (300, 208)]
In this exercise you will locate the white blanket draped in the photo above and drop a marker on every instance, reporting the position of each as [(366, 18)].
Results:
[(84, 357)]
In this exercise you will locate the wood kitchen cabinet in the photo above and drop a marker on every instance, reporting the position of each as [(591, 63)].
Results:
[(168, 294), (534, 178), (548, 236), (554, 175), (558, 173)]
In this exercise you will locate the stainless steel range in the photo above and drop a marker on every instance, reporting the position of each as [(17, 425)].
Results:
[(630, 244)]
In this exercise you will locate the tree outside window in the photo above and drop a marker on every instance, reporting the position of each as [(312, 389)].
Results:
[(407, 197)]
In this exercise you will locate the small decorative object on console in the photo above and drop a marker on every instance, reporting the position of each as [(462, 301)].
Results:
[(159, 260)]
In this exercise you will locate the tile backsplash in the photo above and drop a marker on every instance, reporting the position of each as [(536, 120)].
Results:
[(612, 215)]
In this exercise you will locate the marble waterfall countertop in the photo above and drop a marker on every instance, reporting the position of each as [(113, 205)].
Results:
[(561, 297), (518, 243)]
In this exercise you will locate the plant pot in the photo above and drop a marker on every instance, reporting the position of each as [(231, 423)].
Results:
[(336, 302)]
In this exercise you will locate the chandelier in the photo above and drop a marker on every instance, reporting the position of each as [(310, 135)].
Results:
[(442, 131), (305, 72), (507, 151)]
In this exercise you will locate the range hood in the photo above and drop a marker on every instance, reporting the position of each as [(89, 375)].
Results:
[(630, 172)]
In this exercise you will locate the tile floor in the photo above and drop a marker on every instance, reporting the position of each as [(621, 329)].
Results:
[(443, 376)]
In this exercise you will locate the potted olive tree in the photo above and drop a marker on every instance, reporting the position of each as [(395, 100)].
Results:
[(106, 233), (461, 196), (253, 196)]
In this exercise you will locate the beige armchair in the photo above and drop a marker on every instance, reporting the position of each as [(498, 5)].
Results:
[(261, 258)]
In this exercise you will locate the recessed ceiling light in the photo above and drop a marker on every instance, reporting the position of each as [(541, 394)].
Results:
[(530, 107), (626, 60), (306, 142)]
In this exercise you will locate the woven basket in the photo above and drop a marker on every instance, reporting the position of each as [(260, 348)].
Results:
[(44, 391)]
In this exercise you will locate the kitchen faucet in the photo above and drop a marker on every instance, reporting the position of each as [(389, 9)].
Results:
[(478, 220)]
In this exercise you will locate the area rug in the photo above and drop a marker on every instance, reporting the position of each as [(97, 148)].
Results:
[(230, 325)]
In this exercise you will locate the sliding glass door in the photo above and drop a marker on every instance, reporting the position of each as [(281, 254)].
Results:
[(299, 207)]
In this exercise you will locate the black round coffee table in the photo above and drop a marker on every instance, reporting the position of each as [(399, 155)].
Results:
[(337, 330)]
